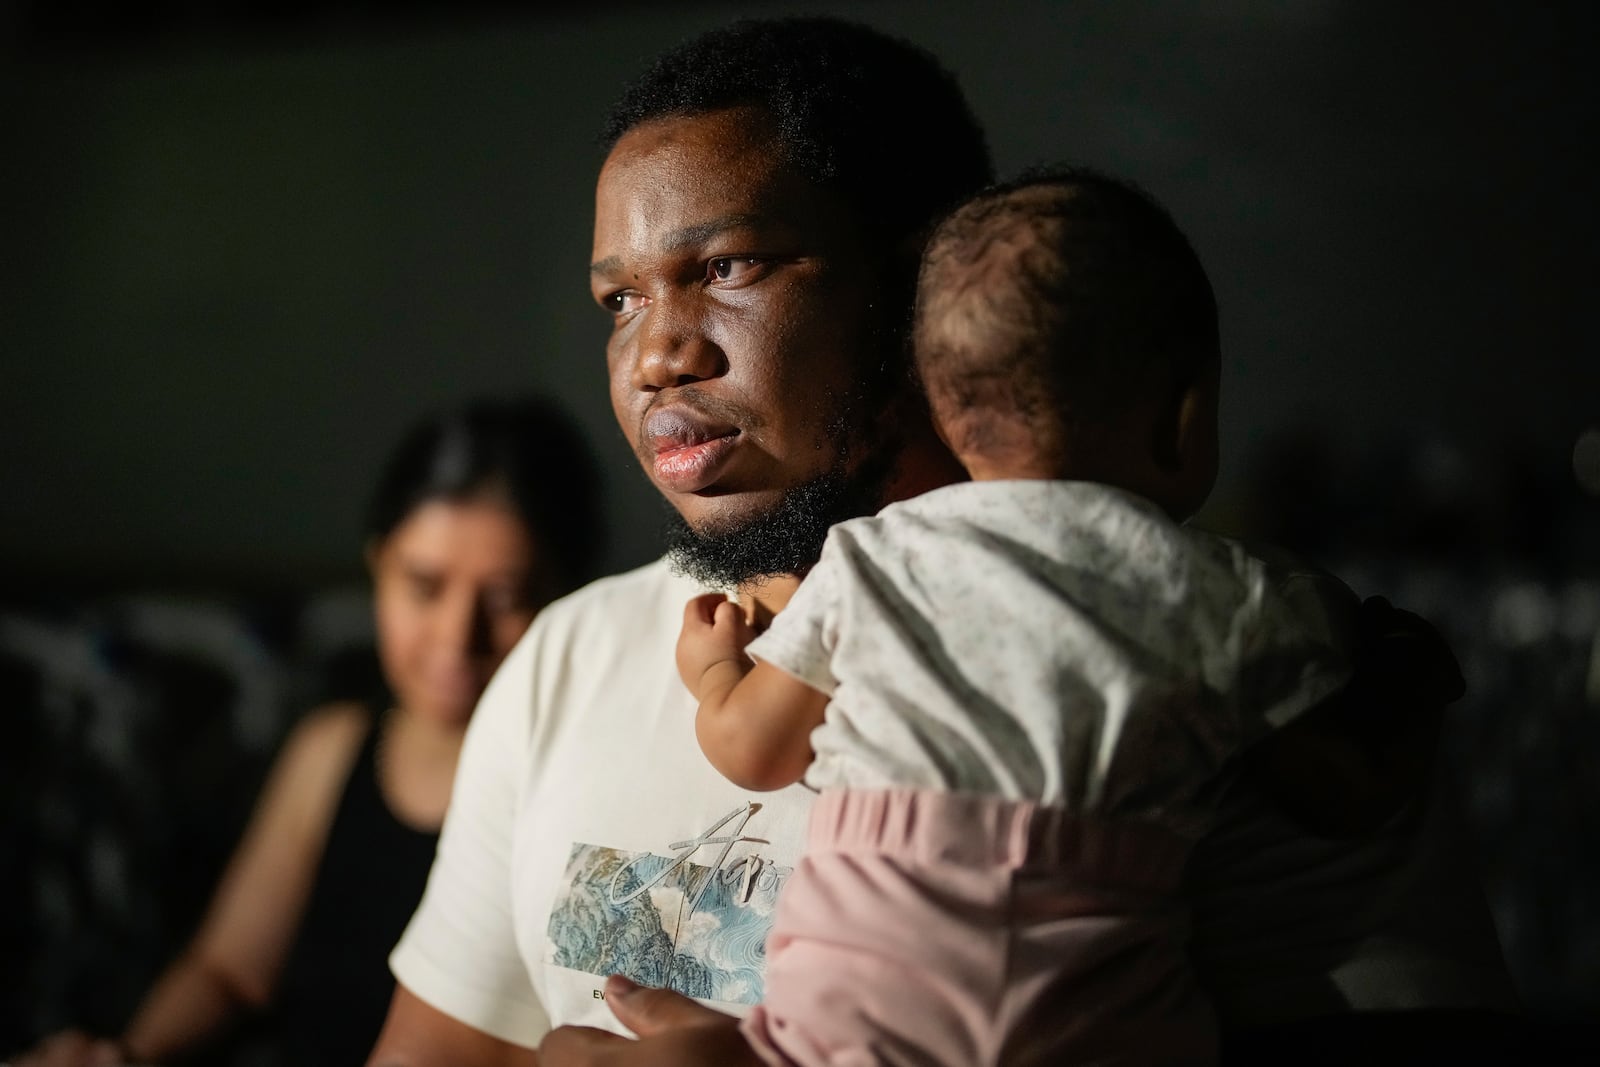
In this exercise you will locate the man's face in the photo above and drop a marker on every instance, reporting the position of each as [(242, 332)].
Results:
[(742, 313)]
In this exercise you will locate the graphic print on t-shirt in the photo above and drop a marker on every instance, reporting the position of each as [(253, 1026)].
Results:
[(695, 921)]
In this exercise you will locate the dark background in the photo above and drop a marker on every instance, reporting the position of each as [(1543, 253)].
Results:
[(246, 244), (244, 250)]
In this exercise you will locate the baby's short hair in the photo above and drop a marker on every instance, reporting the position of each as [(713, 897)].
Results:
[(1058, 298)]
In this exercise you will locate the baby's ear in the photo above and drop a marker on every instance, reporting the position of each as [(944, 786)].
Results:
[(1194, 445), (1197, 427)]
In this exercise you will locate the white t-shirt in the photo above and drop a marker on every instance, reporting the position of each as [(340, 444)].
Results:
[(585, 819), (587, 835), (1065, 642)]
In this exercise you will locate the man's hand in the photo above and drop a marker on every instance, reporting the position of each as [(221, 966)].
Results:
[(715, 632), (673, 1030)]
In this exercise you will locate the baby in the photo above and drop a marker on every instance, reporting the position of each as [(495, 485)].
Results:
[(1021, 696)]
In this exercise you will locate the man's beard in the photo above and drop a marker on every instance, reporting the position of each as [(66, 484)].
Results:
[(787, 538)]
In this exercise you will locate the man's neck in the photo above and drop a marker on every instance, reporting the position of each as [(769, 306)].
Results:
[(925, 465)]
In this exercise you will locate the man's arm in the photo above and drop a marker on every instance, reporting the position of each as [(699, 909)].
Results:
[(415, 1034), (459, 956)]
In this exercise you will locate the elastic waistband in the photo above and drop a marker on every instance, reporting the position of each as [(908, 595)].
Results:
[(970, 829)]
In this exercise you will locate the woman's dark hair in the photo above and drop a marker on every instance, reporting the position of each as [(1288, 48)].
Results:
[(872, 116), (527, 453)]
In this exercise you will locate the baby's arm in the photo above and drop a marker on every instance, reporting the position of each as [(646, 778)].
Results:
[(755, 720)]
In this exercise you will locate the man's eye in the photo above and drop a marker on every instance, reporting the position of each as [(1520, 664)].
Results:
[(730, 268), (624, 300)]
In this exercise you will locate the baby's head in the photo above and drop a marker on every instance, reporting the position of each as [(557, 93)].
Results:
[(1065, 329)]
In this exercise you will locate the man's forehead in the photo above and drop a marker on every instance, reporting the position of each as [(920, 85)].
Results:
[(678, 182), (743, 138)]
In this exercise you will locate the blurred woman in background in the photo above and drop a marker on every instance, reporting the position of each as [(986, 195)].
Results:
[(480, 518)]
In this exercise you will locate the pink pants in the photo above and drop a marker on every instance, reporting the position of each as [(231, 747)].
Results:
[(936, 928)]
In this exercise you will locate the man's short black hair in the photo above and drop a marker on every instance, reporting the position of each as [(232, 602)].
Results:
[(872, 116)]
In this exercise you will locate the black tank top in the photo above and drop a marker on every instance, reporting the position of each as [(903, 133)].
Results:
[(336, 985)]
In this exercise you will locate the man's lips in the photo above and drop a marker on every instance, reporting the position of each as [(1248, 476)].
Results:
[(688, 451)]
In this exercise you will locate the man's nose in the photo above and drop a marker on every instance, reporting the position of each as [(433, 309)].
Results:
[(672, 348)]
